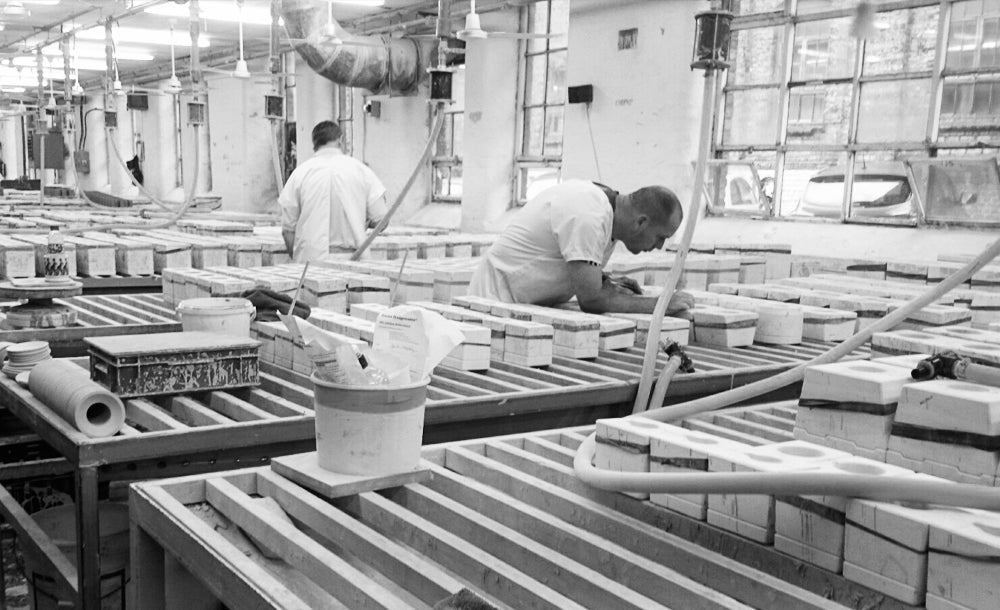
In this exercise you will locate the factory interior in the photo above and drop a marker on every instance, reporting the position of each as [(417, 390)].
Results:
[(499, 304)]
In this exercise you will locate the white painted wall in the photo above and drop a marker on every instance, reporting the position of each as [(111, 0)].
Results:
[(241, 146), (315, 101), (490, 138), (647, 101)]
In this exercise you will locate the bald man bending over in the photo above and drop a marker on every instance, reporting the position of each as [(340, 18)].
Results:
[(557, 245)]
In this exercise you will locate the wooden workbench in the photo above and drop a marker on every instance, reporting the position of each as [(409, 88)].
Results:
[(504, 517), (222, 430)]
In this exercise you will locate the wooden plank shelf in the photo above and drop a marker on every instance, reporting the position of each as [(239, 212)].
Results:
[(99, 316), (503, 517)]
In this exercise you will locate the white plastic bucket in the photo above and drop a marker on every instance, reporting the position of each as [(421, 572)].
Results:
[(59, 523), (373, 430), (217, 314)]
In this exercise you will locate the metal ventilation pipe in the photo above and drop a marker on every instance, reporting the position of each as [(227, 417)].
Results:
[(379, 64)]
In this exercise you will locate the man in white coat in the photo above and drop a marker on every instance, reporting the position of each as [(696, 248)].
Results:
[(329, 200)]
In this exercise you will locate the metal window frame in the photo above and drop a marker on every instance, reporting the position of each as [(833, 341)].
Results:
[(522, 160), (449, 160), (788, 19)]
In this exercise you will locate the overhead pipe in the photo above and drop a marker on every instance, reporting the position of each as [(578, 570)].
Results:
[(380, 64)]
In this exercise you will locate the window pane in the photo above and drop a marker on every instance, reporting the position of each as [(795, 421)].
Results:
[(534, 180), (961, 42), (455, 184), (823, 49), (970, 111), (881, 187), (538, 23), (559, 23), (533, 118), (751, 117), (961, 189), (756, 56), (830, 114), (553, 130), (911, 46), (441, 174), (732, 187), (894, 111), (442, 147), (813, 184), (750, 7), (557, 78), (989, 54), (535, 80)]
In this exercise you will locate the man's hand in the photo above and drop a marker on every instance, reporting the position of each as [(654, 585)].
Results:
[(680, 301)]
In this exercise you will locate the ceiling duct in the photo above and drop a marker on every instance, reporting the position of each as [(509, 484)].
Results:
[(379, 64)]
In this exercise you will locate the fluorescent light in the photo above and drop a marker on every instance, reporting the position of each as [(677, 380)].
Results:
[(57, 64), (359, 2), (216, 10), (15, 9), (96, 51), (41, 2), (11, 89), (143, 36)]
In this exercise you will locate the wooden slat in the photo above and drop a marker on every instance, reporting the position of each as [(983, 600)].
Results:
[(497, 578), (423, 578), (774, 421), (541, 483), (562, 574), (717, 430), (277, 405), (236, 408), (605, 554), (477, 380), (153, 305), (127, 307), (329, 571), (195, 413), (150, 416), (752, 428)]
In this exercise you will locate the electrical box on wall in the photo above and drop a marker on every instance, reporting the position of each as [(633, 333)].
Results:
[(82, 161), (196, 113), (373, 108), (137, 101), (274, 107), (110, 119), (581, 94)]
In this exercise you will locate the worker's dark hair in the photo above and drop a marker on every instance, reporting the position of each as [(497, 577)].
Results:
[(325, 132), (659, 203)]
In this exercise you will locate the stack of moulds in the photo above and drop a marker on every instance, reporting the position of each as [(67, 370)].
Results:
[(214, 227), (615, 333), (205, 251), (472, 354), (811, 528), (700, 271), (985, 308), (861, 287), (574, 334), (777, 323), (279, 347), (819, 322), (850, 406), (932, 315), (451, 277), (93, 258), (777, 257), (512, 341), (671, 329), (899, 342), (343, 324), (414, 284), (273, 251), (244, 251), (906, 271), (622, 445), (950, 429), (867, 310), (963, 332), (721, 327), (888, 547), (937, 271), (40, 243), (994, 326), (17, 258), (769, 292), (167, 253), (132, 257), (753, 515), (330, 283), (963, 572), (181, 284)]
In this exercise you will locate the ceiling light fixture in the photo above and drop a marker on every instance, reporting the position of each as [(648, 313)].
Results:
[(144, 36), (215, 10), (241, 70), (94, 51), (473, 28), (174, 83)]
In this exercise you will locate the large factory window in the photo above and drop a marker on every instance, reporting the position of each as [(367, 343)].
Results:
[(447, 160), (834, 126), (543, 96)]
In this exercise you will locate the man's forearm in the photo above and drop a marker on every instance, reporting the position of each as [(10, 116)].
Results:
[(289, 237), (611, 300)]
